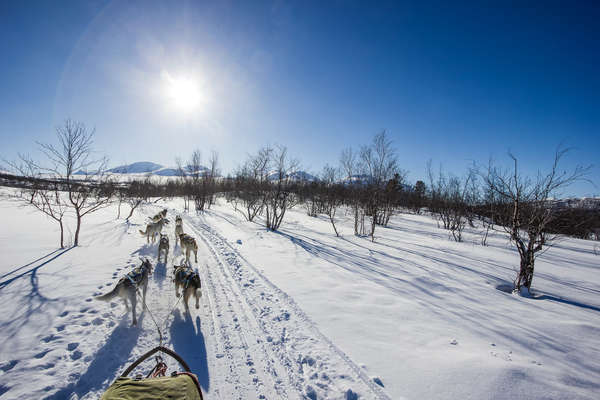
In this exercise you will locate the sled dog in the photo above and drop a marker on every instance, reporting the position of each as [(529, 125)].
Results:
[(159, 216), (189, 280), (178, 228), (127, 287), (154, 228), (188, 243), (163, 245)]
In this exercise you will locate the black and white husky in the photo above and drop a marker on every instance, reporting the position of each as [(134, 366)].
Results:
[(189, 280), (127, 287)]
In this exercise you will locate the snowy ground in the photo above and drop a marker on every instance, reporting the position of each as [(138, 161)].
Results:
[(300, 313)]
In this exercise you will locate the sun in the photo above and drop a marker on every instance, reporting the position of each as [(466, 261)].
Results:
[(183, 93)]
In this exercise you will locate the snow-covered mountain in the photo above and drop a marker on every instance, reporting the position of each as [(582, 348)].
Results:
[(136, 168), (301, 176), (147, 167)]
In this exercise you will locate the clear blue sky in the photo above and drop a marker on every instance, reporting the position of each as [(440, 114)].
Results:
[(450, 81)]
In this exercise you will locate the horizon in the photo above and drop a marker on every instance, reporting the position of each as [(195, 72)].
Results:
[(450, 83)]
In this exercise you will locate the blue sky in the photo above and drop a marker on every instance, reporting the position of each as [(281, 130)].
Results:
[(450, 81)]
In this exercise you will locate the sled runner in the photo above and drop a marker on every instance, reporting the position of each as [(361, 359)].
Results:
[(177, 386)]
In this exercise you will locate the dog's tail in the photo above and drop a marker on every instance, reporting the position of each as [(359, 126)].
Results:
[(108, 296), (142, 232)]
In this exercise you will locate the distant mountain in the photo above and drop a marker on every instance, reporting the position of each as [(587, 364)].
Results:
[(140, 167), (302, 176), (147, 167)]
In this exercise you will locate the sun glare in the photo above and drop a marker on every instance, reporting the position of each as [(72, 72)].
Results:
[(183, 93)]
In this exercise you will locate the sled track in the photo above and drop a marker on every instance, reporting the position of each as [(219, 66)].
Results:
[(241, 355), (273, 331)]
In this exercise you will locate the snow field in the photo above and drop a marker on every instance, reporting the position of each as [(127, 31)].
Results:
[(300, 313)]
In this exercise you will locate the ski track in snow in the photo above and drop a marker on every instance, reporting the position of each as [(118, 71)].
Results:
[(272, 332)]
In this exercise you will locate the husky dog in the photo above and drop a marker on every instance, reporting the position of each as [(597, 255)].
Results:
[(154, 228), (178, 228), (159, 216), (163, 244), (127, 287), (188, 243), (189, 280)]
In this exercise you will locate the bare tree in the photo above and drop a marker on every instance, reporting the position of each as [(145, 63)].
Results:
[(380, 163), (333, 194), (278, 199), (530, 210), (42, 194), (349, 166), (211, 176), (73, 155), (181, 173), (137, 194), (199, 180), (252, 183)]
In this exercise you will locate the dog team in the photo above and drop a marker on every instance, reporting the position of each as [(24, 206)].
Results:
[(184, 276)]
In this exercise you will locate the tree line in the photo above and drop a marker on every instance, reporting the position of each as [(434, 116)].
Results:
[(367, 182)]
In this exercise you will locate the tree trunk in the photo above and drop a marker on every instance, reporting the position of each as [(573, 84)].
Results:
[(77, 230), (130, 214), (62, 242), (355, 220), (331, 215), (526, 271)]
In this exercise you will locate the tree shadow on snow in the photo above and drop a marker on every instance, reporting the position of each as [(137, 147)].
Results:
[(30, 304), (565, 301), (188, 342), (32, 262), (33, 270), (107, 362)]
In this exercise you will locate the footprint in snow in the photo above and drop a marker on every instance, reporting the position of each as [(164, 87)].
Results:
[(9, 365), (350, 395), (88, 299), (72, 346), (97, 321), (76, 355), (60, 328), (454, 342), (50, 338), (378, 381), (63, 314), (42, 354)]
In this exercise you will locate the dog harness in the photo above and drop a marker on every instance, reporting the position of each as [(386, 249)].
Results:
[(188, 275), (136, 275)]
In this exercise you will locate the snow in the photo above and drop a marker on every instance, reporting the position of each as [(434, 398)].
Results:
[(300, 313)]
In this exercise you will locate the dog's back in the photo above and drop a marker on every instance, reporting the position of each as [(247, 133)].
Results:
[(189, 280)]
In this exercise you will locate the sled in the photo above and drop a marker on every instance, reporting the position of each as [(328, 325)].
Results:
[(177, 386)]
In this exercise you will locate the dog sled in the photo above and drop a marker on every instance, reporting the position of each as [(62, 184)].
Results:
[(157, 384)]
